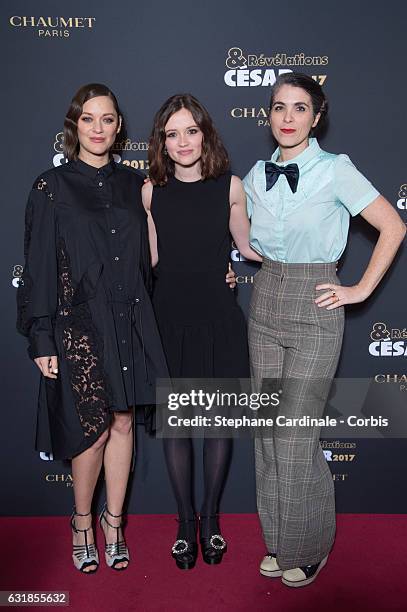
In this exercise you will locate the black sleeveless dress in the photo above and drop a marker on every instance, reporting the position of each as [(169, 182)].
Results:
[(202, 328)]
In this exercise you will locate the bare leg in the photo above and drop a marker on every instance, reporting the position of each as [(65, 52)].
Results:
[(117, 461), (85, 472)]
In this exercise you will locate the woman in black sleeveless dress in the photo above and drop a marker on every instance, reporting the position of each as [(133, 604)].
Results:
[(192, 203)]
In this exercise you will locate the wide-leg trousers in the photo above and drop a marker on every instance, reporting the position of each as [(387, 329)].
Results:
[(296, 344)]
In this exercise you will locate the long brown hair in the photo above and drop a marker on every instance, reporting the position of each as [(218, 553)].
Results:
[(85, 93), (214, 158)]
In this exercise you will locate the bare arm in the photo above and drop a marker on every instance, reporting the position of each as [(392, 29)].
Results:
[(146, 195), (381, 215), (239, 223)]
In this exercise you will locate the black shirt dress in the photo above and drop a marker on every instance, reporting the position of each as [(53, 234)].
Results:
[(84, 296)]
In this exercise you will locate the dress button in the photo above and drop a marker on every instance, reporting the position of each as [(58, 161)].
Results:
[(100, 184), (116, 259), (137, 300), (121, 314), (123, 341), (119, 287), (124, 368), (107, 205), (113, 231)]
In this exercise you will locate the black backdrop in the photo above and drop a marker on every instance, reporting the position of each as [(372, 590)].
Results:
[(146, 52)]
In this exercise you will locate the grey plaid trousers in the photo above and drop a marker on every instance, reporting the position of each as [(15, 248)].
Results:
[(297, 344)]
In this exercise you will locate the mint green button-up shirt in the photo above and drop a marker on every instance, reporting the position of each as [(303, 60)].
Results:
[(311, 225)]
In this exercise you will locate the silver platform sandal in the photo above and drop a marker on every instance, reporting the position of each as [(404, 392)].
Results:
[(117, 552), (84, 555)]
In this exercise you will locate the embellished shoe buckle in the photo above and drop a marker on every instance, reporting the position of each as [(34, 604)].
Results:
[(217, 542), (179, 551)]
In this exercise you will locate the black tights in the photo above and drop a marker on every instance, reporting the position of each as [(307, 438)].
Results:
[(216, 459)]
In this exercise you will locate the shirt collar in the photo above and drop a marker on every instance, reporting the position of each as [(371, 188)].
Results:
[(303, 158), (91, 171)]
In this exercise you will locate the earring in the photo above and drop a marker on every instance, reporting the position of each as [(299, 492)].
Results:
[(165, 151)]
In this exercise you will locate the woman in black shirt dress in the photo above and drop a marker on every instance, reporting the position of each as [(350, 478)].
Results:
[(85, 307)]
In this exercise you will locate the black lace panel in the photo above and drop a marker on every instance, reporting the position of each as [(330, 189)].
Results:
[(83, 352), (23, 299)]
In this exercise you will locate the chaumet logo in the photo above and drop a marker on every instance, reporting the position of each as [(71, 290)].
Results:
[(393, 379), (52, 27), (65, 479), (260, 114)]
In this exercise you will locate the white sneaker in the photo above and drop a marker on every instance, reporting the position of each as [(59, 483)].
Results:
[(269, 567), (301, 576)]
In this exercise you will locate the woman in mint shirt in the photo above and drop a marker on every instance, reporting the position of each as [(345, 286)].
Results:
[(300, 205)]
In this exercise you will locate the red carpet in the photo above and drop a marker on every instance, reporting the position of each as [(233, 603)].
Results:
[(366, 570)]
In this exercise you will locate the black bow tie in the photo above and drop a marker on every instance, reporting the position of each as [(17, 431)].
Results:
[(273, 172)]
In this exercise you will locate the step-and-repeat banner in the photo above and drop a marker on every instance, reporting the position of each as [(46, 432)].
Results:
[(227, 54)]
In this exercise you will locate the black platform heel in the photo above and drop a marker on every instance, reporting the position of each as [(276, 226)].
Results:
[(185, 551), (213, 547)]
